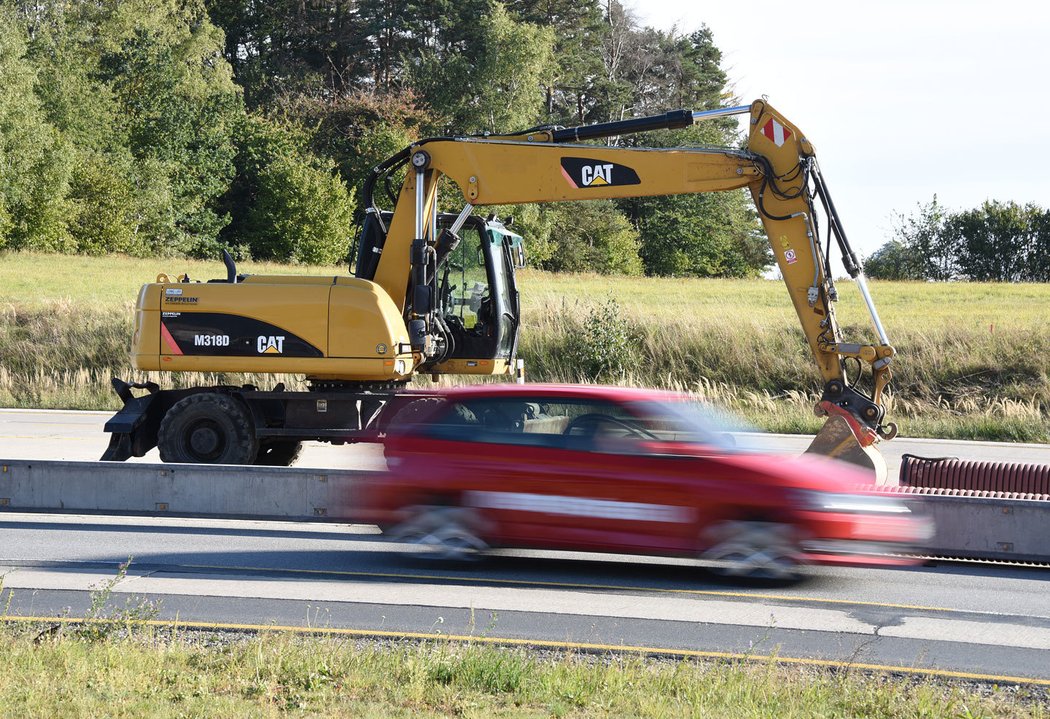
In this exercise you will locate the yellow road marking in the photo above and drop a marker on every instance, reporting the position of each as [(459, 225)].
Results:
[(584, 585), (543, 643)]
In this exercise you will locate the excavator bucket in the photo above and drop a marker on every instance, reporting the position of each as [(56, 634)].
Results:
[(838, 440)]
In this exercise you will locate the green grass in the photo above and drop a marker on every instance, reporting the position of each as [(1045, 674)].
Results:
[(973, 359), (168, 673), (36, 280)]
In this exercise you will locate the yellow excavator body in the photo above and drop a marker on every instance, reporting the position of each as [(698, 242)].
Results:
[(323, 327)]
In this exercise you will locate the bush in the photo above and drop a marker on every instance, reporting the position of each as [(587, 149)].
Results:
[(605, 348), (301, 214), (592, 236), (286, 205)]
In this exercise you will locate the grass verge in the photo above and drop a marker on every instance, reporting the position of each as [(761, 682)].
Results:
[(156, 672)]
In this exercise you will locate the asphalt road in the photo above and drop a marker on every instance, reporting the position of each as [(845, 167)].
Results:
[(954, 618), (969, 619)]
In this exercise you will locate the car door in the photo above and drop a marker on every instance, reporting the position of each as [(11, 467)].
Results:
[(542, 476)]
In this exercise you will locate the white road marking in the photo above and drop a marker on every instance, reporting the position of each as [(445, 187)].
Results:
[(695, 610), (973, 632)]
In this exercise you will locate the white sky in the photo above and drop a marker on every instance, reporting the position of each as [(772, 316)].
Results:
[(902, 99)]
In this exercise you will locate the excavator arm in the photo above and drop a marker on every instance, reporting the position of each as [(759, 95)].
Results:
[(779, 168)]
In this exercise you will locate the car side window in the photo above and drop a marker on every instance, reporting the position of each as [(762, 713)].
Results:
[(581, 424)]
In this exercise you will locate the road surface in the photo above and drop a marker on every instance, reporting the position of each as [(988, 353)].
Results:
[(953, 618), (957, 619)]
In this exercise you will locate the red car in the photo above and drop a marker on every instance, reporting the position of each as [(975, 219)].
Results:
[(610, 469)]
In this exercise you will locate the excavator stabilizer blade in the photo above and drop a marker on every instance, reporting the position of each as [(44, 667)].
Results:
[(837, 440)]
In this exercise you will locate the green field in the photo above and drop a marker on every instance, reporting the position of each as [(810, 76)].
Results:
[(973, 359)]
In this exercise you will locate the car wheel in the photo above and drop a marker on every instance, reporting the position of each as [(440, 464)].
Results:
[(440, 533), (754, 550), (207, 428)]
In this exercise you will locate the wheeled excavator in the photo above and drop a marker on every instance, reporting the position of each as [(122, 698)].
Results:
[(435, 293)]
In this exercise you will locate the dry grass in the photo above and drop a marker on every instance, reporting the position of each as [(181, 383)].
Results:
[(973, 362)]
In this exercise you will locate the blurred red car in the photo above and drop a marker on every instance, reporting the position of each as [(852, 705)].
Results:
[(620, 470)]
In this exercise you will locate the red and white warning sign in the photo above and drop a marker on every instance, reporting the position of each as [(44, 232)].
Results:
[(776, 132)]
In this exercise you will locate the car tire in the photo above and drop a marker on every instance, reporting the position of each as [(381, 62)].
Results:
[(440, 533), (278, 453), (207, 428), (754, 550)]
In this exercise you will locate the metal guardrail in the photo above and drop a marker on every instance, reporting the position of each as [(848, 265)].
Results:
[(969, 524)]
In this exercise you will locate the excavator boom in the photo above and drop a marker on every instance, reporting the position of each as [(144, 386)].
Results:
[(778, 167)]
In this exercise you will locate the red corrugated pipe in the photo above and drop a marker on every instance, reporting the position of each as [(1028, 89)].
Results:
[(953, 473)]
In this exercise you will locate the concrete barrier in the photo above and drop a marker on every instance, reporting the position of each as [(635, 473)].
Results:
[(176, 490), (985, 525), (969, 524)]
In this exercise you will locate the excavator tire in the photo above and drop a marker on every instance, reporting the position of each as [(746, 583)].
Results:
[(393, 418), (207, 428), (278, 453)]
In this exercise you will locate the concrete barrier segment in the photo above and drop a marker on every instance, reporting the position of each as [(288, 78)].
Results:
[(969, 524), (186, 490)]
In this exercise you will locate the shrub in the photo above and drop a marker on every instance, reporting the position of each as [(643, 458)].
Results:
[(605, 348)]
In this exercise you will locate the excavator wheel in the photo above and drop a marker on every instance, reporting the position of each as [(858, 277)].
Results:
[(207, 428), (278, 453)]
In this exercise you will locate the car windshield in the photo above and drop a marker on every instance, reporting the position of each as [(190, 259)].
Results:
[(693, 422)]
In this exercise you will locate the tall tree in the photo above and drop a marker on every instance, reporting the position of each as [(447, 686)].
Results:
[(283, 47), (359, 130), (35, 163), (1038, 261), (993, 240), (141, 90), (483, 73), (920, 248), (574, 77)]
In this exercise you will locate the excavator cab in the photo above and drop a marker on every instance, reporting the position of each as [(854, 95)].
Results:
[(478, 297), (477, 312)]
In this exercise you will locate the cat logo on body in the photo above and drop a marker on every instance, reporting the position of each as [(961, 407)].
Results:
[(270, 344)]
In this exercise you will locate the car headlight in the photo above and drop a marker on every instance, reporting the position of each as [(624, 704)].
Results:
[(850, 503)]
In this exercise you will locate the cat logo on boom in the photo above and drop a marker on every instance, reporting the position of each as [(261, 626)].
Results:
[(596, 174), (583, 172), (270, 344)]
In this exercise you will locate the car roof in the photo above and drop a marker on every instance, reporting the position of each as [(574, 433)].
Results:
[(567, 391)]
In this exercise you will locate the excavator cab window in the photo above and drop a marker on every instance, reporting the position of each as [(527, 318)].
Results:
[(477, 293), (465, 281)]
